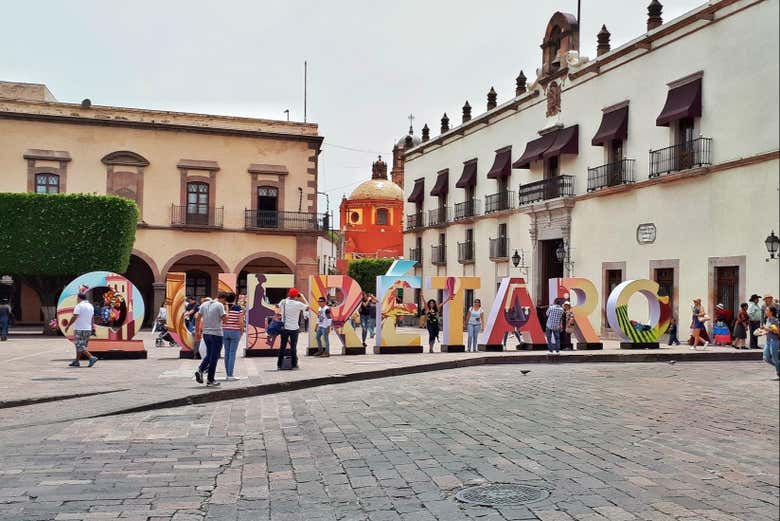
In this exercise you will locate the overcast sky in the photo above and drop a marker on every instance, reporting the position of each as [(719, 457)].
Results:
[(371, 63)]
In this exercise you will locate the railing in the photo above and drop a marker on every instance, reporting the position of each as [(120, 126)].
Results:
[(438, 216), (415, 220), (197, 216), (559, 186), (286, 221), (466, 252), (611, 174), (439, 255), (466, 209), (686, 155), (415, 254), (500, 201), (499, 248)]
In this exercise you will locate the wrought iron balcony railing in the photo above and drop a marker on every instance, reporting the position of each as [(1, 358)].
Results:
[(285, 221), (439, 216), (612, 174), (439, 255), (466, 252), (415, 254), (500, 201), (466, 209), (195, 215), (415, 221), (689, 154), (553, 188), (499, 248)]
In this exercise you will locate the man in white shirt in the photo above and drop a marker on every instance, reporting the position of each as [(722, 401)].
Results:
[(324, 323), (291, 309), (81, 321)]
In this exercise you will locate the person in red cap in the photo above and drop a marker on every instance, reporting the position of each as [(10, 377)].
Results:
[(291, 310)]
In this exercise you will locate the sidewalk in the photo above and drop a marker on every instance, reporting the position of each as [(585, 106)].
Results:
[(38, 372)]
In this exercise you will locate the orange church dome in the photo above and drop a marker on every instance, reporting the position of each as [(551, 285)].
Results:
[(378, 187)]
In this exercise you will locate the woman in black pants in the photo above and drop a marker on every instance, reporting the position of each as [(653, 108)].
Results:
[(432, 322)]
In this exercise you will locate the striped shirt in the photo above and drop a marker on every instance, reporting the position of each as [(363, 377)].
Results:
[(235, 317)]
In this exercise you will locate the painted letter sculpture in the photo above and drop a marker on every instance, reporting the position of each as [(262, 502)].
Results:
[(585, 303), (260, 309), (512, 310), (390, 307), (350, 293), (636, 335), (452, 309)]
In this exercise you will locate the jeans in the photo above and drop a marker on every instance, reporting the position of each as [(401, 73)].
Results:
[(213, 349), (4, 327), (771, 355), (369, 325), (231, 339), (471, 343), (517, 336), (754, 338), (292, 337), (673, 340), (323, 332), (553, 340)]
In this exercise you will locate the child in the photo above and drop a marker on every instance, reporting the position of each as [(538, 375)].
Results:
[(274, 328), (673, 340)]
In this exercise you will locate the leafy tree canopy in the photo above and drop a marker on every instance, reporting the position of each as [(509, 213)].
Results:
[(365, 271)]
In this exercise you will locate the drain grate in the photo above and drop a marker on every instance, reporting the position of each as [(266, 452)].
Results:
[(501, 494)]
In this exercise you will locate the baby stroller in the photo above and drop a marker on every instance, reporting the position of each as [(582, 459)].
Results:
[(162, 335)]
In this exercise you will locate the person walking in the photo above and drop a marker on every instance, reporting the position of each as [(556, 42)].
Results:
[(771, 329), (673, 339), (324, 323), (554, 320), (741, 327), (232, 330), (83, 316), (432, 309), (5, 319), (211, 317), (698, 318), (475, 325), (291, 309), (368, 316), (754, 318)]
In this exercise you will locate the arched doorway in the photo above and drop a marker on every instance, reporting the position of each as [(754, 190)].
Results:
[(142, 276), (202, 272)]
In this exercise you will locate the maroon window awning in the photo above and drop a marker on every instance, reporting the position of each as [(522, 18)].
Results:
[(534, 150), (566, 142), (442, 186), (614, 126), (418, 192), (468, 179), (502, 165), (681, 102)]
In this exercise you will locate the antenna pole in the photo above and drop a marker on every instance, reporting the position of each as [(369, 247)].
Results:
[(305, 87)]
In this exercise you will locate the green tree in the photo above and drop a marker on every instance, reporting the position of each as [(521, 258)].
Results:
[(48, 240), (365, 271)]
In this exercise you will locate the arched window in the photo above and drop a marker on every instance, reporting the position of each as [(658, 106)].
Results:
[(382, 216), (197, 203), (47, 184)]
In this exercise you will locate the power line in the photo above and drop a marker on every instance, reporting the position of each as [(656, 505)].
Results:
[(351, 149)]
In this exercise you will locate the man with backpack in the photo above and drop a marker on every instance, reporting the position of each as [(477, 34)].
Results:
[(291, 309)]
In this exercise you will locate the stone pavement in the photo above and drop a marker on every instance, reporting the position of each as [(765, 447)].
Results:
[(653, 442), (37, 371)]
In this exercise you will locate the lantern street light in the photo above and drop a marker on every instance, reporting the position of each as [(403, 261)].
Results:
[(518, 261), (772, 245), (564, 257)]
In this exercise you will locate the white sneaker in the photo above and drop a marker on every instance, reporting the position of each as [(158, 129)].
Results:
[(230, 378), (693, 348), (706, 344)]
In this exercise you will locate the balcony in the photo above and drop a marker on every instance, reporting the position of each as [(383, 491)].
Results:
[(499, 202), (438, 216), (690, 154), (467, 209), (553, 188), (611, 174), (499, 249), (415, 221), (285, 221), (196, 216), (439, 255), (415, 254), (466, 252)]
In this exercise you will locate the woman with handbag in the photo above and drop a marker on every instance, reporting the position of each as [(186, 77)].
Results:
[(698, 318), (741, 327)]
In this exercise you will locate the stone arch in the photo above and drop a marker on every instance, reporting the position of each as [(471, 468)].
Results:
[(186, 253), (267, 254), (150, 262), (125, 158)]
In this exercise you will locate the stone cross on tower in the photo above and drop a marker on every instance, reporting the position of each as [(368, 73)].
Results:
[(411, 122)]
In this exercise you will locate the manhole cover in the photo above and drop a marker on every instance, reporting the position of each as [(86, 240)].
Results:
[(501, 494), (52, 379)]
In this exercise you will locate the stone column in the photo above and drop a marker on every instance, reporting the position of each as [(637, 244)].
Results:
[(305, 261), (533, 270), (158, 289)]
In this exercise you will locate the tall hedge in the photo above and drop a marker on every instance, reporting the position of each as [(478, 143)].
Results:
[(365, 271), (65, 234)]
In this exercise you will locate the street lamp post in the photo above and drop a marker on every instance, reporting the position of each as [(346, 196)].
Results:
[(564, 257), (772, 246), (518, 261)]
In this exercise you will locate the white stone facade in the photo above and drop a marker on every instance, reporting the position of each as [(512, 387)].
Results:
[(710, 220)]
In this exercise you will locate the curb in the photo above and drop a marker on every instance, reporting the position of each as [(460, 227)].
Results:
[(282, 387)]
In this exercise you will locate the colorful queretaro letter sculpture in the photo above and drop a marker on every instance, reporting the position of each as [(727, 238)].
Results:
[(584, 299), (512, 312), (452, 309), (637, 335), (390, 307), (348, 296), (119, 313), (263, 294), (176, 304)]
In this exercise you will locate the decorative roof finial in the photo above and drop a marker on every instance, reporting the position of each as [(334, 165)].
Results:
[(654, 11), (379, 169), (520, 84), (603, 41), (491, 99), (445, 123), (466, 112), (426, 133)]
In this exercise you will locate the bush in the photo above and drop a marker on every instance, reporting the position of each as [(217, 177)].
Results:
[(365, 272), (65, 234)]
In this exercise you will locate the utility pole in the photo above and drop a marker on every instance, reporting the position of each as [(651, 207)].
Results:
[(305, 87)]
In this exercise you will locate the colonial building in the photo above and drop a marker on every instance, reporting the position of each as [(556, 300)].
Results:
[(655, 159), (215, 193)]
